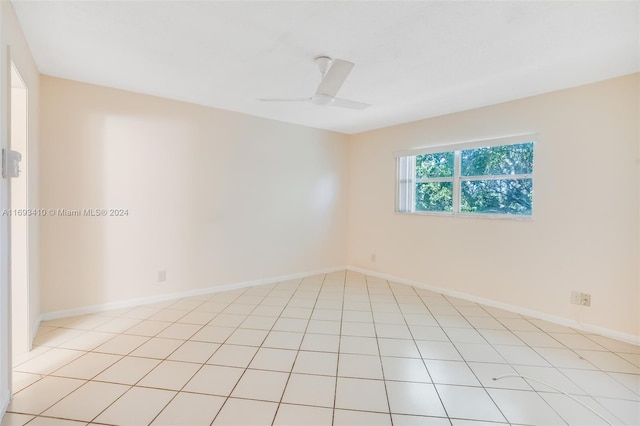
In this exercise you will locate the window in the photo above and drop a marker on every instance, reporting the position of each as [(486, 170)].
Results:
[(490, 178)]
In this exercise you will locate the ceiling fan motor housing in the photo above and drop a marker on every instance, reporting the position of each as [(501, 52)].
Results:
[(323, 62)]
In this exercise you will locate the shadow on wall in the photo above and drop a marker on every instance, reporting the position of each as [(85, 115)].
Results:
[(210, 197)]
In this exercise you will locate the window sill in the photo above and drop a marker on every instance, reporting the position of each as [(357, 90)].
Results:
[(528, 218)]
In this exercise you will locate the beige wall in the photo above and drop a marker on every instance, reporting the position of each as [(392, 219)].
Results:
[(584, 235), (214, 197)]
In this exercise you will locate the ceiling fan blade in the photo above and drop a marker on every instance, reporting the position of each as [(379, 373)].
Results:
[(347, 103), (284, 99), (335, 77)]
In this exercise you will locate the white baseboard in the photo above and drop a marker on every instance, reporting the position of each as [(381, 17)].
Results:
[(589, 328), (34, 332), (179, 295)]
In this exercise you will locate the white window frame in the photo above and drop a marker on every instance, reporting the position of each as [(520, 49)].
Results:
[(406, 176)]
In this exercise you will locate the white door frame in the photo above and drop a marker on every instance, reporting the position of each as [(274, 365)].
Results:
[(20, 225), (5, 241)]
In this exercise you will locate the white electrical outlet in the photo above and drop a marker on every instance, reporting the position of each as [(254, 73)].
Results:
[(578, 298), (162, 276), (373, 258)]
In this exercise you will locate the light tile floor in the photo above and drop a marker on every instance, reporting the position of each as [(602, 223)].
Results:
[(341, 349)]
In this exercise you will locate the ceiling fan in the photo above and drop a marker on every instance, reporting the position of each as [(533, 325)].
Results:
[(334, 73)]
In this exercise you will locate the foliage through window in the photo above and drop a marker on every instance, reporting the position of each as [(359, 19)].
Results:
[(471, 180)]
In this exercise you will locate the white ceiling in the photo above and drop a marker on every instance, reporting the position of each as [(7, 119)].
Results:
[(413, 59)]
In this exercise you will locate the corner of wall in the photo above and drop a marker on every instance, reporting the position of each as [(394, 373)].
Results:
[(179, 295)]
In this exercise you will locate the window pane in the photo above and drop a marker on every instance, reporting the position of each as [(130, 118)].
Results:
[(502, 196), (498, 160), (434, 196), (434, 165)]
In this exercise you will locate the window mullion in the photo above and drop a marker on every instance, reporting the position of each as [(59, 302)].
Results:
[(438, 179), (498, 177), (412, 187), (456, 182)]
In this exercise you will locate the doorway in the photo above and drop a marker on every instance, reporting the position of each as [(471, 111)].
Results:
[(20, 328)]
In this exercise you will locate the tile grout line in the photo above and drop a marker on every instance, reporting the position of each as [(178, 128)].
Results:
[(161, 360), (490, 345), (263, 340), (375, 331), (290, 373), (513, 366), (335, 389), (532, 389), (159, 363), (149, 372)]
